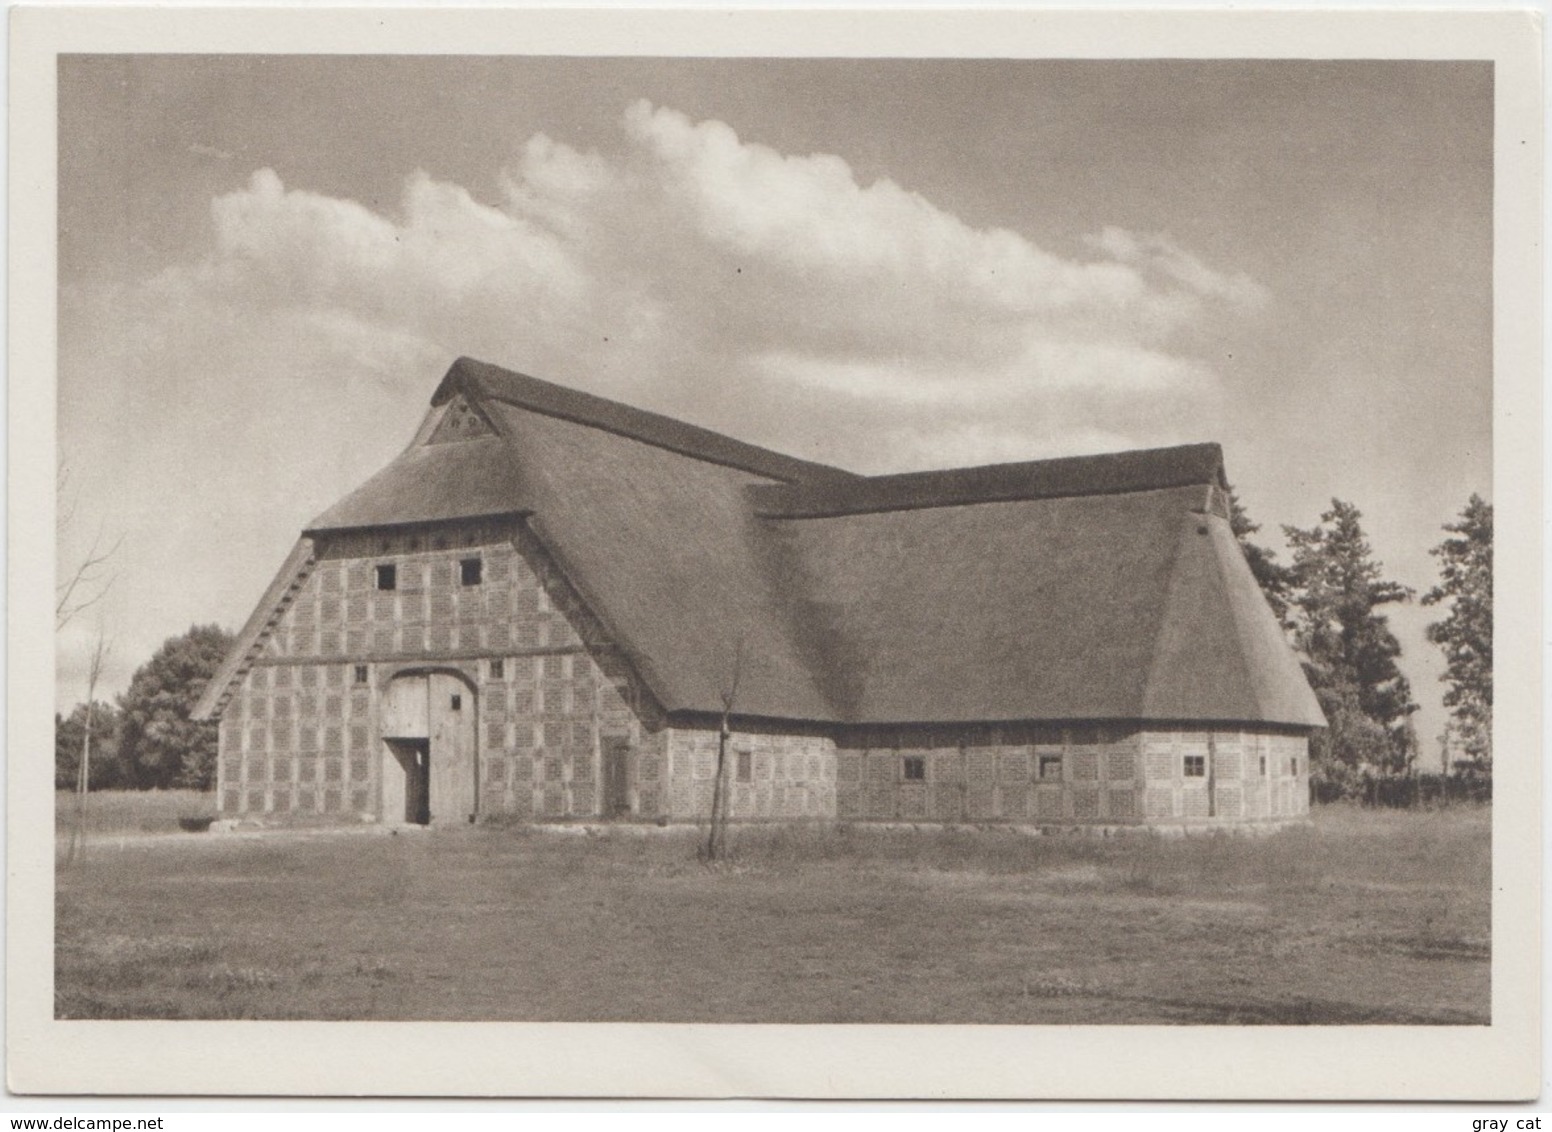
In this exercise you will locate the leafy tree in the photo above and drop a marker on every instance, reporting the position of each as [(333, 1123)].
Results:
[(1274, 578), (1349, 651), (1466, 634), (106, 770), (158, 742)]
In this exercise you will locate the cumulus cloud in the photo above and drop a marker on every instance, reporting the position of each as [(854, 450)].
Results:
[(969, 443), (1158, 253), (690, 251)]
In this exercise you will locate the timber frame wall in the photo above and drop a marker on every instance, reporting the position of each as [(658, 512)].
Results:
[(299, 734)]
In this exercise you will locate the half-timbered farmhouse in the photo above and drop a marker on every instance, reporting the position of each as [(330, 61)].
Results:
[(544, 606)]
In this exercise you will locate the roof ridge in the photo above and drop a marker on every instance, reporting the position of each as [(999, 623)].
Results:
[(1111, 473), (484, 380)]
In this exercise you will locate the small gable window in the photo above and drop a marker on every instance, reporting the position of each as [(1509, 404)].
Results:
[(913, 768), (745, 766), (469, 571), (460, 421), (457, 702), (387, 576), (1196, 766), (1050, 766)]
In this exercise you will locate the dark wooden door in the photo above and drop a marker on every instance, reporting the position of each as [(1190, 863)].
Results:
[(406, 781), (616, 776), (417, 785)]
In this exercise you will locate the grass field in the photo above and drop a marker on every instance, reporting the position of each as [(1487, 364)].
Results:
[(132, 811), (1364, 917)]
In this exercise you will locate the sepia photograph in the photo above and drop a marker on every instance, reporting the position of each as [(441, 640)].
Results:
[(922, 542)]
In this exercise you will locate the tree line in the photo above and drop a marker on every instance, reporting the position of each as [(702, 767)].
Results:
[(1330, 601), (144, 738)]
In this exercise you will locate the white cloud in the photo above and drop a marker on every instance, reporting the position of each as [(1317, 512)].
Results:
[(1043, 370), (693, 249), (991, 442), (1160, 254)]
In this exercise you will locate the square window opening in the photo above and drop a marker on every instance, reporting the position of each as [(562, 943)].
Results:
[(1050, 766), (457, 703), (387, 576), (1196, 766), (498, 670), (745, 768), (913, 768), (361, 674), (469, 571)]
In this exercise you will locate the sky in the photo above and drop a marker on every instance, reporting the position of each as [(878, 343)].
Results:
[(267, 263)]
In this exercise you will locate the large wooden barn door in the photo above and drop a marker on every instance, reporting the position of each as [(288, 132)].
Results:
[(452, 749), (427, 728), (406, 751)]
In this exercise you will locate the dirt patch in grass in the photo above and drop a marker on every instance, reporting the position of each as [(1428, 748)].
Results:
[(1363, 917)]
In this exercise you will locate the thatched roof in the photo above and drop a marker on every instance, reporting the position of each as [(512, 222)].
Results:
[(1111, 474), (1106, 587), (483, 383), (432, 482), (1112, 606)]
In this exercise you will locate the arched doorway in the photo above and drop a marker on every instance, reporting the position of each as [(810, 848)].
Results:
[(427, 727)]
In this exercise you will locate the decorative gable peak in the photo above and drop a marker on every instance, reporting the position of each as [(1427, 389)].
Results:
[(460, 421)]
